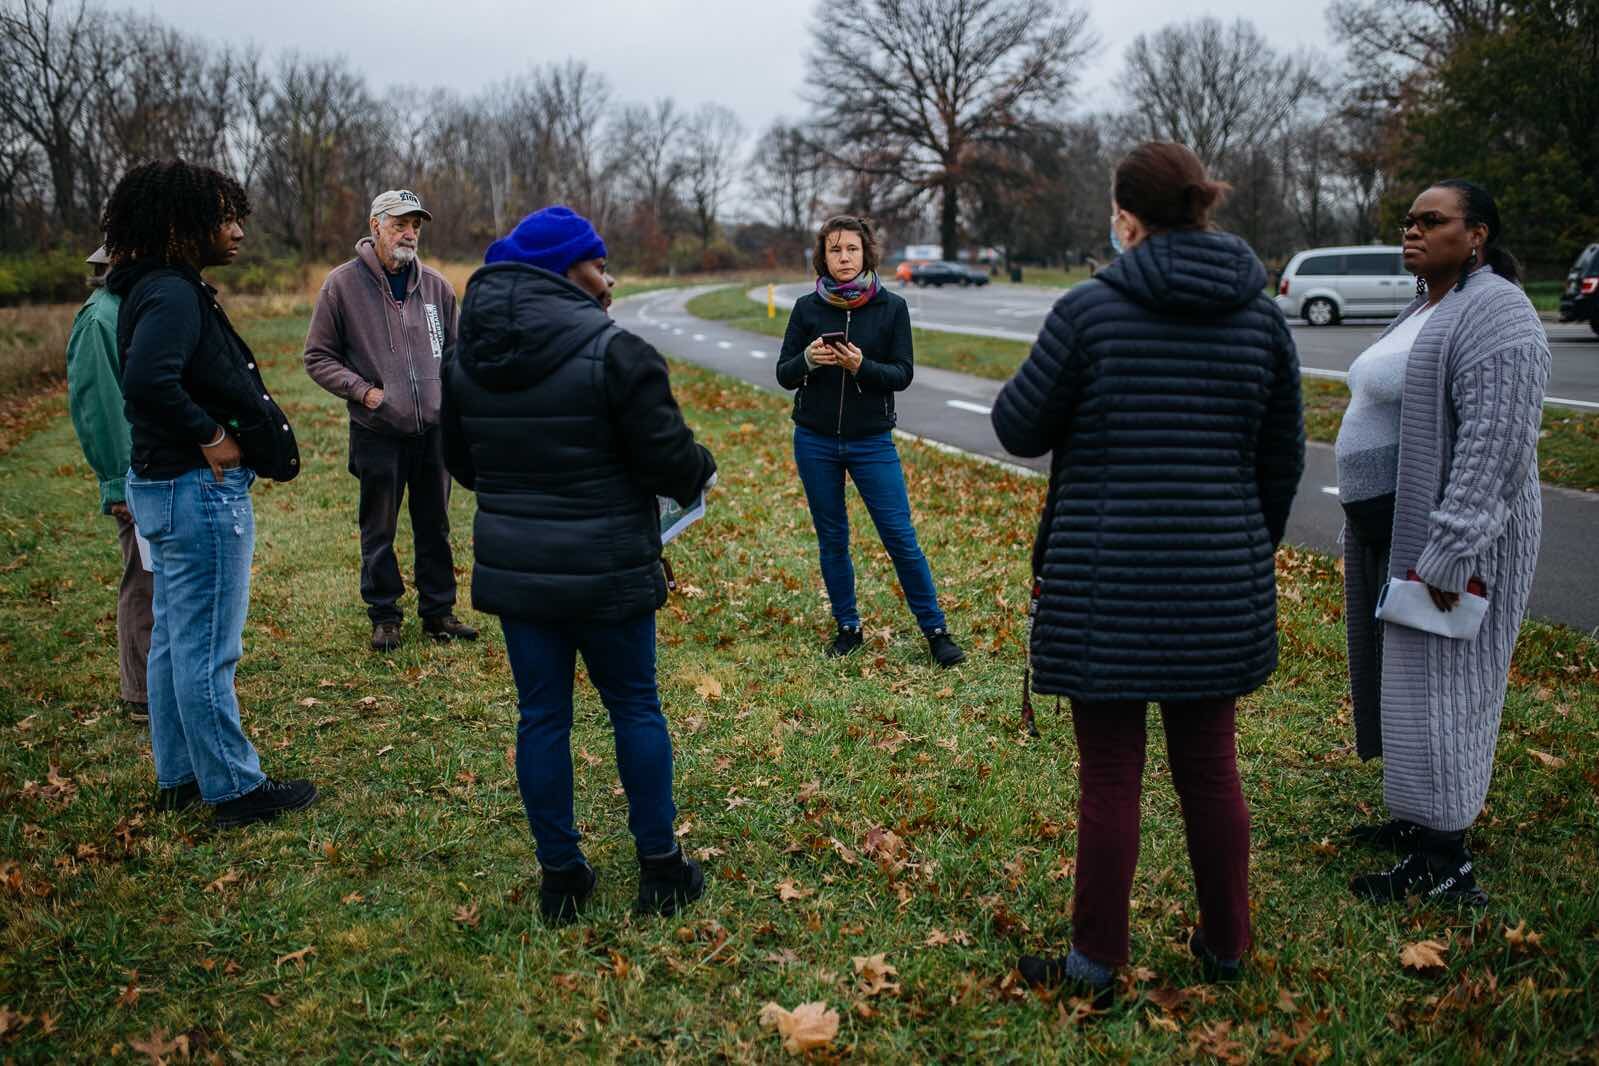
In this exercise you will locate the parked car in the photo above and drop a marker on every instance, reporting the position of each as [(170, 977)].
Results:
[(1325, 285), (944, 272), (1580, 300)]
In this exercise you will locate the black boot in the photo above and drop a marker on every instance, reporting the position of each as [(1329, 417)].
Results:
[(447, 627), (943, 649), (1050, 972), (669, 883), (564, 893), (265, 802), (1439, 870), (1397, 835), (848, 639), (1214, 970)]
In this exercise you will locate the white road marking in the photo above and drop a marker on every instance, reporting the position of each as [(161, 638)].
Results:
[(677, 333), (724, 344), (757, 353), (699, 336), (1331, 490), (974, 408)]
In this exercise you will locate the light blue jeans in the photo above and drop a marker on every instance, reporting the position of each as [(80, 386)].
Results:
[(202, 537)]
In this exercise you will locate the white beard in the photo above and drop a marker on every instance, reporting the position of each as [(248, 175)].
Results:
[(402, 256)]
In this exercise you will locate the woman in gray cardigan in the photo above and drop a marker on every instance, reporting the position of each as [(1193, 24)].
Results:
[(1438, 475)]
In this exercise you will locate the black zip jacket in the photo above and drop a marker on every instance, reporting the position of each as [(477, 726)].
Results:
[(565, 426), (830, 399), (185, 372)]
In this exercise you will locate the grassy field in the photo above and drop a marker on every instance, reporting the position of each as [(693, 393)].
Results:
[(1568, 452), (844, 810)]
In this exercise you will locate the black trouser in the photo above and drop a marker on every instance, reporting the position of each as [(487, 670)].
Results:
[(386, 466)]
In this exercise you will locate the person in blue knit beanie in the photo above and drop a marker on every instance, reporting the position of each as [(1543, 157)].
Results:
[(557, 239), (565, 427)]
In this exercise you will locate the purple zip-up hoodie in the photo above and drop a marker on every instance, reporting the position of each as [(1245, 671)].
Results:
[(360, 339)]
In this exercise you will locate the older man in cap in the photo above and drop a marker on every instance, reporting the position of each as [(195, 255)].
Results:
[(377, 341), (94, 399)]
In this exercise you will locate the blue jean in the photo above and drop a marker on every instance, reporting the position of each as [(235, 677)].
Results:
[(620, 658), (202, 537), (873, 464)]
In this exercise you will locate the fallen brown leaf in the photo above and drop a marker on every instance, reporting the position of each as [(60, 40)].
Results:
[(709, 687), (467, 915), (296, 957), (805, 1028), (877, 974), (1423, 956), (788, 891), (1521, 938), (158, 1047), (1553, 762), (229, 878)]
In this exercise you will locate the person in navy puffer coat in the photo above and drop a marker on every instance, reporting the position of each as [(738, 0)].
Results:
[(1167, 388)]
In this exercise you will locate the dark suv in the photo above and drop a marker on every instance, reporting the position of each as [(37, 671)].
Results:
[(947, 273), (1580, 301)]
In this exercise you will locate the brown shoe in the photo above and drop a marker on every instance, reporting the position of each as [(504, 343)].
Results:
[(447, 627), (385, 636)]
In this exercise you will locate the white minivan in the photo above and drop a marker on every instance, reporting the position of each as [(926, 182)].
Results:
[(1324, 285)]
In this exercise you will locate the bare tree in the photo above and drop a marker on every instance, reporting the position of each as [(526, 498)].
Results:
[(715, 137), (785, 179), (911, 89), (650, 139), (51, 62), (1217, 88), (1387, 41)]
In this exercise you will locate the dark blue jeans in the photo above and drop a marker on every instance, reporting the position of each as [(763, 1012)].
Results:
[(873, 464), (620, 658)]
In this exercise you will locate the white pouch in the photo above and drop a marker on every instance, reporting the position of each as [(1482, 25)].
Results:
[(1406, 602)]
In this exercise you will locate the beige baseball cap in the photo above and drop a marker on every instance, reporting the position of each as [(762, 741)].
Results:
[(398, 202)]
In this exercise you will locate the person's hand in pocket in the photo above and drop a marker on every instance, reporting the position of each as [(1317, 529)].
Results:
[(222, 456), (373, 398)]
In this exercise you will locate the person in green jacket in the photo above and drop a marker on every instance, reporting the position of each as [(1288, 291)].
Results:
[(94, 391)]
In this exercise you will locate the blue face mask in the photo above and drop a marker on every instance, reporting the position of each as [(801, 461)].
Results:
[(1115, 238)]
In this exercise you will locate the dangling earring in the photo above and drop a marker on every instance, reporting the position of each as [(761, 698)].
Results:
[(1465, 272), (1421, 287)]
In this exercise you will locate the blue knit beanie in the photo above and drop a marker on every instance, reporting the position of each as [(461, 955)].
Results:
[(553, 238)]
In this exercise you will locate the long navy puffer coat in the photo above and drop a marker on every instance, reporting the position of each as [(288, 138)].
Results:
[(1168, 390)]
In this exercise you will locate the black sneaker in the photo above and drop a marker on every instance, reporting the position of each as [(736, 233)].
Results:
[(945, 652), (1436, 878), (179, 798), (1397, 835), (668, 884), (1214, 970), (1044, 972), (848, 640), (447, 627), (564, 893), (265, 802), (385, 636)]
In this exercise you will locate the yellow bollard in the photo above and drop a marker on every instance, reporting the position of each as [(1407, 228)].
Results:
[(771, 300)]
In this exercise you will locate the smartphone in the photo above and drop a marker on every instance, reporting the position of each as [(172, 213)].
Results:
[(833, 340)]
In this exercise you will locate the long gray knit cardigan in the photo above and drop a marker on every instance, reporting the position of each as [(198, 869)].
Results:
[(1466, 505)]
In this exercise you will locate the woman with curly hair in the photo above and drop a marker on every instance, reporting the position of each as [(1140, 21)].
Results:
[(204, 427)]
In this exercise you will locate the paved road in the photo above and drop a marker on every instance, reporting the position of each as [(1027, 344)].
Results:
[(952, 409), (1017, 312)]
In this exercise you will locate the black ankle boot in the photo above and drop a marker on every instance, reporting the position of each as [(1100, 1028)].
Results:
[(1043, 971), (1439, 870), (847, 640), (1213, 969), (564, 893), (669, 883), (1396, 835)]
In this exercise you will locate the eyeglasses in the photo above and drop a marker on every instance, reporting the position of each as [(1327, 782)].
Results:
[(1427, 222)]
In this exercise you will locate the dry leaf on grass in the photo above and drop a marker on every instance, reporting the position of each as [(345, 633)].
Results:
[(1424, 956), (1521, 938), (877, 974), (229, 878), (709, 687), (296, 957), (937, 938), (158, 1047), (1554, 762), (788, 891), (806, 1027), (467, 915)]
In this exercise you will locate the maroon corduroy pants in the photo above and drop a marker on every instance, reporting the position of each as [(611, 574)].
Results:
[(1203, 752)]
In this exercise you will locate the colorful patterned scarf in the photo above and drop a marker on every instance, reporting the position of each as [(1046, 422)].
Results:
[(848, 295)]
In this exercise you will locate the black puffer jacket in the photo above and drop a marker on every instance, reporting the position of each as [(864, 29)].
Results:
[(1168, 390), (565, 426), (830, 399)]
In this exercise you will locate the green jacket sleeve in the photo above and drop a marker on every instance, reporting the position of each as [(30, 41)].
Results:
[(94, 394)]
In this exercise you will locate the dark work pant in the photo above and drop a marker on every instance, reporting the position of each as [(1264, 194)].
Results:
[(620, 658), (135, 615), (1202, 748), (387, 466)]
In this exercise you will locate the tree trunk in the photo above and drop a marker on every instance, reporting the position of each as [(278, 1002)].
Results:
[(949, 219)]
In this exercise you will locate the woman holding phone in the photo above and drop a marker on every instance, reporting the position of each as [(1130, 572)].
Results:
[(847, 351)]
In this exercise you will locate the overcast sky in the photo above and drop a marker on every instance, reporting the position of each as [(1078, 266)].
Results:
[(746, 54)]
